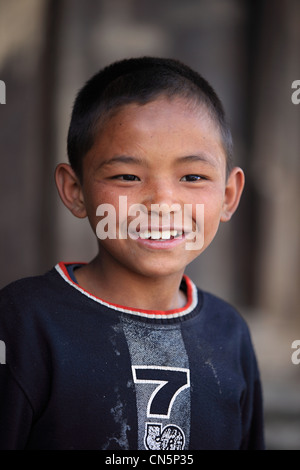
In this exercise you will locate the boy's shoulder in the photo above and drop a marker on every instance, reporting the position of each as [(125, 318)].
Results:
[(29, 294), (222, 318), (213, 302), (29, 286)]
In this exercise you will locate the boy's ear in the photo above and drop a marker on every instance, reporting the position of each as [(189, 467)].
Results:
[(233, 191), (69, 189)]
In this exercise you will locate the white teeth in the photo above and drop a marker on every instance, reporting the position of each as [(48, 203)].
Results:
[(145, 235), (166, 234), (157, 235)]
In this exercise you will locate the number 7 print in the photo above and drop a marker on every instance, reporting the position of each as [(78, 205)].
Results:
[(171, 381)]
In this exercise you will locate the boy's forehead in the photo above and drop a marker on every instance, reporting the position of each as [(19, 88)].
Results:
[(174, 123), (161, 115)]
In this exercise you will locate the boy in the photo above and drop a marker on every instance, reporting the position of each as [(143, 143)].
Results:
[(125, 352)]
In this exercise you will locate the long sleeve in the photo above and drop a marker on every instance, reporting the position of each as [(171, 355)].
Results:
[(252, 405), (15, 412)]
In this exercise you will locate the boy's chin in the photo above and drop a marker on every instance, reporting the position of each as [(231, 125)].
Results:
[(160, 271), (148, 264)]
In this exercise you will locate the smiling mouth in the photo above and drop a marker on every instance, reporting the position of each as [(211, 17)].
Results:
[(160, 234)]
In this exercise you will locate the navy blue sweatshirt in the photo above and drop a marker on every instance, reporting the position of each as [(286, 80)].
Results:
[(82, 373)]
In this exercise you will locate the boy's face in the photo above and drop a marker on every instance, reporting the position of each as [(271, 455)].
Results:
[(162, 153)]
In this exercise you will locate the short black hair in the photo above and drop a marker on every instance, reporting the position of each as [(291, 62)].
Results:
[(138, 80)]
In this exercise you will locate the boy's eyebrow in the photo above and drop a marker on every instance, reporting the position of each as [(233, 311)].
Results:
[(201, 157), (122, 159)]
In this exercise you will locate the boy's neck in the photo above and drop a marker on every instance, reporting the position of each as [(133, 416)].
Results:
[(134, 290)]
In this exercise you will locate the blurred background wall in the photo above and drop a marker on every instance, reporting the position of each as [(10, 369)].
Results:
[(250, 52)]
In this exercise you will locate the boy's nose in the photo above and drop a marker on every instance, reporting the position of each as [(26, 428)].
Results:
[(161, 193)]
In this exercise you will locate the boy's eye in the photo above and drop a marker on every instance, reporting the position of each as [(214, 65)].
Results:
[(127, 177), (192, 178)]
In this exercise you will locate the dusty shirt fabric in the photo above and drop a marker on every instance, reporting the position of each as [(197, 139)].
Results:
[(81, 373)]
